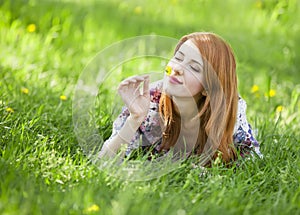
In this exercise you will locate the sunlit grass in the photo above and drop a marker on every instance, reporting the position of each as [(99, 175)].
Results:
[(45, 45)]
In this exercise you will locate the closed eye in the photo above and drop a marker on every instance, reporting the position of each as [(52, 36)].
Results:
[(178, 59), (195, 68), (179, 56)]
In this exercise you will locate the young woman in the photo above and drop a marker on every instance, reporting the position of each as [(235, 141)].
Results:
[(194, 110)]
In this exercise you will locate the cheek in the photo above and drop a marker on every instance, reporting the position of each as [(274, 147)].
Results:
[(195, 86)]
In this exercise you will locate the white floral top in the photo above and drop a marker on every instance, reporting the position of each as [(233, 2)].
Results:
[(150, 133)]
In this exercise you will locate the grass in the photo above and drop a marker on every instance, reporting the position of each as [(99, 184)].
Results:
[(45, 46)]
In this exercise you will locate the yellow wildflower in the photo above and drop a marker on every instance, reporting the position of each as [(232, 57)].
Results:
[(168, 70), (93, 208), (9, 110), (258, 4), (138, 10), (279, 108), (254, 89), (24, 90), (31, 28), (272, 93), (63, 97)]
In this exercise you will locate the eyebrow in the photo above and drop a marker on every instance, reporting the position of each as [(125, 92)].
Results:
[(180, 52), (196, 62)]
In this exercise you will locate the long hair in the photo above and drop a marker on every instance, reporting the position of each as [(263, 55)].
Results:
[(217, 109)]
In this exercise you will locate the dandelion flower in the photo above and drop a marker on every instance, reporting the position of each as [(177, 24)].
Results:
[(168, 70), (138, 10), (279, 108), (254, 89), (272, 93), (258, 4), (93, 208), (31, 28), (24, 90), (9, 110), (63, 97)]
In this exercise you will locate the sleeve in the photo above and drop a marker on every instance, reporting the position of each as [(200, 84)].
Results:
[(118, 124), (243, 136)]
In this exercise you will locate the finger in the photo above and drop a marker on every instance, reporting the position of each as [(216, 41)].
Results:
[(146, 86), (140, 77), (130, 89), (128, 81), (145, 76), (123, 83), (134, 78), (136, 82), (136, 91), (124, 86), (139, 85), (132, 83)]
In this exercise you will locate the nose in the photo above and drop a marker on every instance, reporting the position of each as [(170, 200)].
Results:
[(177, 70)]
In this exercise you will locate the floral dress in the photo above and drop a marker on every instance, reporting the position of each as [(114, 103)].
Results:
[(150, 134)]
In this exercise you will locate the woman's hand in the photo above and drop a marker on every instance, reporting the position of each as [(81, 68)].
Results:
[(136, 99)]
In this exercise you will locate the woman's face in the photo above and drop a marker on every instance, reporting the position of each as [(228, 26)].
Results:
[(186, 72)]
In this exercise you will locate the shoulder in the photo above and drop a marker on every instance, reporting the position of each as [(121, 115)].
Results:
[(242, 105), (241, 118)]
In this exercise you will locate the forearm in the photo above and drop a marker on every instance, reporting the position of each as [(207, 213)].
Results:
[(111, 147)]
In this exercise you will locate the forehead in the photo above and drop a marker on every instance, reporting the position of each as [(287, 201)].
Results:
[(189, 46), (190, 50)]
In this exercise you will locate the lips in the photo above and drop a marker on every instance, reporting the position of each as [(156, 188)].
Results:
[(174, 80)]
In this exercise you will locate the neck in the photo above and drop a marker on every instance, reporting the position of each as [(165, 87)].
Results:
[(187, 107)]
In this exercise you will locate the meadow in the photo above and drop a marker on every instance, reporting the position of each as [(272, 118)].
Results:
[(45, 47)]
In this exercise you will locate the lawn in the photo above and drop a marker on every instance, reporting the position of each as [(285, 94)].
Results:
[(48, 46)]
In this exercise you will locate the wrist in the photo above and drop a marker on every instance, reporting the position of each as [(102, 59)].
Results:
[(129, 128), (135, 120)]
